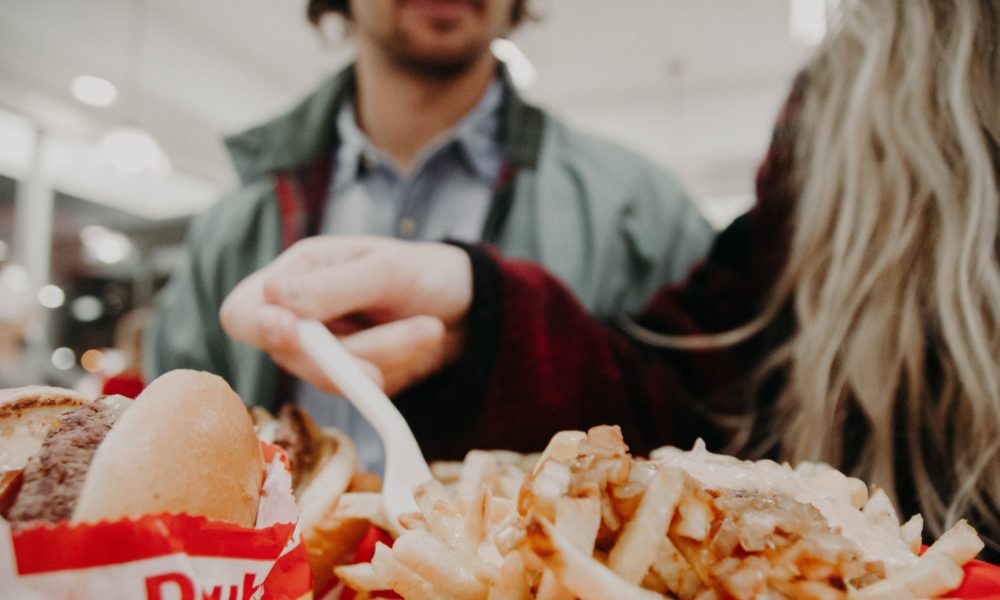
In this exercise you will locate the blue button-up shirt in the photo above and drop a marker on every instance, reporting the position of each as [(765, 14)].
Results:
[(446, 195)]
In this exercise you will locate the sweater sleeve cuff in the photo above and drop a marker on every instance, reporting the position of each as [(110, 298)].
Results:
[(450, 401)]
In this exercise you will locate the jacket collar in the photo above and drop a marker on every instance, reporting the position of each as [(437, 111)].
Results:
[(308, 132)]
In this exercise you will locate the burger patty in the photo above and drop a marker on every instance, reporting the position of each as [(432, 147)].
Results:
[(294, 437), (54, 477)]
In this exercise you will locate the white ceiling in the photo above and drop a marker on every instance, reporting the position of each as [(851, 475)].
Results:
[(694, 83)]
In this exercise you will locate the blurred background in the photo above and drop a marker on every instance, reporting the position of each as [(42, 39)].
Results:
[(112, 114)]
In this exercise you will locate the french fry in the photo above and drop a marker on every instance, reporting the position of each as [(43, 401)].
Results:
[(444, 520), (428, 493), (498, 510), (332, 544), (362, 505), (563, 446), (511, 583), (412, 520), (911, 533), (544, 488), (929, 577), (809, 590), (495, 515), (526, 462), (695, 518), (671, 567), (550, 588), (638, 543), (604, 441), (478, 469), (577, 520), (577, 572), (360, 577), (430, 558), (400, 579), (960, 544), (473, 509), (881, 513), (504, 474), (447, 471), (609, 516), (508, 484)]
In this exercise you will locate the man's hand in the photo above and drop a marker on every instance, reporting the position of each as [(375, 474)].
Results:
[(397, 306)]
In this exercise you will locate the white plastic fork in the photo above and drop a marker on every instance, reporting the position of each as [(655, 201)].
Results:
[(405, 467)]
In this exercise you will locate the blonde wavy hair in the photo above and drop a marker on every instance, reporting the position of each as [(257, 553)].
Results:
[(892, 270), (894, 253)]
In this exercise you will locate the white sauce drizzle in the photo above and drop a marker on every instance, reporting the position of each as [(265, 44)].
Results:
[(837, 496)]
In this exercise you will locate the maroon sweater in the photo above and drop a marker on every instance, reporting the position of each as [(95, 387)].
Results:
[(539, 363)]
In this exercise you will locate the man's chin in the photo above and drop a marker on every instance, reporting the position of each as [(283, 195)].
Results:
[(438, 65)]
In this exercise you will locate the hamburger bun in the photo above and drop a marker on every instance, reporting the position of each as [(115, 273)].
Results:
[(186, 445)]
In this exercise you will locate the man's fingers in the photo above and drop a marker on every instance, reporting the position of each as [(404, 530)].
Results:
[(360, 287), (329, 292), (247, 316), (332, 279), (268, 327), (405, 351), (395, 340), (320, 251), (301, 366)]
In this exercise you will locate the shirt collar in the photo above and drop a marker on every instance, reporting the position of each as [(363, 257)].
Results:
[(476, 136), (355, 150)]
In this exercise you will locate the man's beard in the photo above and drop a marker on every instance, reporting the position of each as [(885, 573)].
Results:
[(434, 66)]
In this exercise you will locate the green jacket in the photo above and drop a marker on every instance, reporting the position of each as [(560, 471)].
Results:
[(606, 221)]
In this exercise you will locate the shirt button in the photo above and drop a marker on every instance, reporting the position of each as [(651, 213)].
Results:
[(407, 227)]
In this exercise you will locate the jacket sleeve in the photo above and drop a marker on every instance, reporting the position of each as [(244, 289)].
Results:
[(186, 332)]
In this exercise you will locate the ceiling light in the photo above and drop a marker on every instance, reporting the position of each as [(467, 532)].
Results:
[(95, 91), (522, 72), (87, 309), (133, 150), (104, 245), (63, 358), (14, 278), (51, 296), (92, 361)]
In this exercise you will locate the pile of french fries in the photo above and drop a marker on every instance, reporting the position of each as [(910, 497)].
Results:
[(586, 520)]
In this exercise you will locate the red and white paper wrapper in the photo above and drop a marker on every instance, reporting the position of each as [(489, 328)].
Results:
[(165, 557)]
